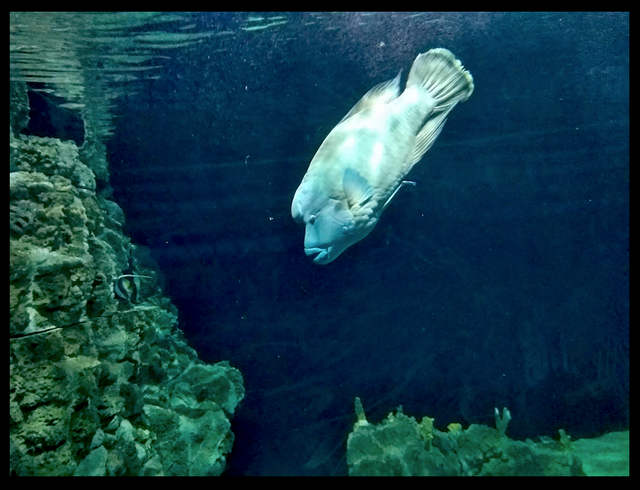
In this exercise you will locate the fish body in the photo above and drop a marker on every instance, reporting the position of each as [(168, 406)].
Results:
[(126, 287), (361, 164)]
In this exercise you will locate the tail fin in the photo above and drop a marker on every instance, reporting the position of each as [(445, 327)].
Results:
[(443, 76)]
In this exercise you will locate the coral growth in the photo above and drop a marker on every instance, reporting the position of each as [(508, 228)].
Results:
[(400, 446)]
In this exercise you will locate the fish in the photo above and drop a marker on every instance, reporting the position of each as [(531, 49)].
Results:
[(361, 165), (126, 287)]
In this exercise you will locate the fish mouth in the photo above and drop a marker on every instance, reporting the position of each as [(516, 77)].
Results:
[(321, 255)]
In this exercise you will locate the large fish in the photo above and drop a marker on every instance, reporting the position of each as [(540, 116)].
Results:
[(361, 164)]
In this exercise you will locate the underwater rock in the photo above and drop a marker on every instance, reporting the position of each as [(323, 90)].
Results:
[(19, 106), (94, 464), (51, 156), (607, 455), (99, 385), (400, 446)]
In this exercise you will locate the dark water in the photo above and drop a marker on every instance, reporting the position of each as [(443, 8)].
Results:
[(501, 279)]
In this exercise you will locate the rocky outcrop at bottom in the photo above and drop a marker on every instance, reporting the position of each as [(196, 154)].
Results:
[(400, 446)]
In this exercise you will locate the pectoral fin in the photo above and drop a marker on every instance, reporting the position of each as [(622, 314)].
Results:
[(402, 184), (356, 188)]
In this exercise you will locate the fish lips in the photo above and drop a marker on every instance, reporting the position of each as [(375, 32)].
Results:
[(323, 254)]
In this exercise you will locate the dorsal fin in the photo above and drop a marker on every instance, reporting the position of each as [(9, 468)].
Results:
[(356, 188), (380, 94)]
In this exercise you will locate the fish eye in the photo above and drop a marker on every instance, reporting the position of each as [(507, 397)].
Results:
[(312, 219)]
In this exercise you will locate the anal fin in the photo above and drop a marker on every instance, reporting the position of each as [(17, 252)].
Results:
[(429, 133)]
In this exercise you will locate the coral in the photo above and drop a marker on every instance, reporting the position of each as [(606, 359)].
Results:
[(362, 418), (50, 157), (565, 440), (426, 431), (502, 422), (392, 448), (98, 385), (399, 446)]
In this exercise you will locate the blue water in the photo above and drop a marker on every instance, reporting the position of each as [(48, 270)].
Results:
[(501, 279)]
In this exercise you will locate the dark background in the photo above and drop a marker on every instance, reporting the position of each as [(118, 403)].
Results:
[(500, 280)]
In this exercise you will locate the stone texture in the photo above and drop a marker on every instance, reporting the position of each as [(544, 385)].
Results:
[(98, 385)]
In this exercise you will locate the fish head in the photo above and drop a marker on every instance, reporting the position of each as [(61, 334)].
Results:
[(330, 227), (329, 233)]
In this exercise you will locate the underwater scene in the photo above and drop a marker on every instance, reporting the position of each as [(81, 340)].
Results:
[(319, 244)]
